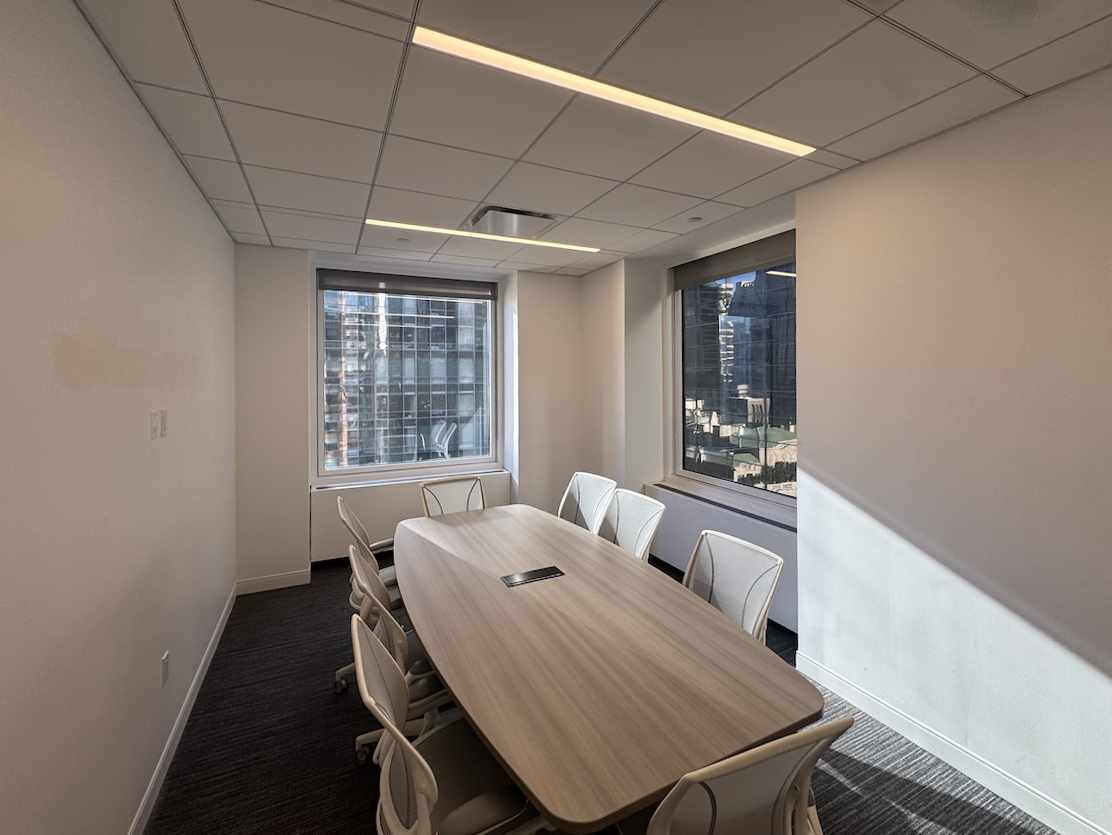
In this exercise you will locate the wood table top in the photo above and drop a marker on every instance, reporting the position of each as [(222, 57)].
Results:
[(598, 689)]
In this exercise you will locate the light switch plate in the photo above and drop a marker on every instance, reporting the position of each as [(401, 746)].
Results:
[(156, 424)]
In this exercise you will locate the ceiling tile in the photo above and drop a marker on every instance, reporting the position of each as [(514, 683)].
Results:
[(302, 243), (269, 56), (592, 261), (403, 8), (596, 137), (148, 39), (575, 270), (405, 255), (478, 248), (879, 6), (960, 104), (247, 238), (306, 192), (349, 14), (380, 236), (423, 166), (219, 179), (311, 227), (460, 259), (645, 239), (191, 121), (831, 159), (573, 34), (239, 217), (297, 143), (707, 213), (1074, 55), (792, 176), (415, 207), (540, 189), (457, 102), (742, 48), (611, 236), (710, 164), (990, 33), (543, 257), (638, 206), (873, 73)]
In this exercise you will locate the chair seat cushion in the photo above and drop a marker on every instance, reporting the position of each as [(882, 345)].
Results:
[(491, 812)]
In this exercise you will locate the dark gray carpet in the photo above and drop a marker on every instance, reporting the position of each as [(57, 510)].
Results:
[(268, 747)]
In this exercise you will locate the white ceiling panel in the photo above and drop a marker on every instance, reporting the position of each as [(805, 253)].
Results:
[(879, 6), (457, 102), (311, 227), (833, 160), (524, 266), (596, 137), (645, 239), (1071, 56), (593, 261), (575, 270), (871, 74), (307, 193), (239, 217), (280, 140), (415, 207), (710, 164), (269, 56), (478, 248), (638, 206), (550, 190), (712, 55), (379, 236), (191, 121), (148, 39), (405, 255), (424, 166), (573, 34), (248, 238), (611, 236), (990, 33), (403, 8), (349, 14), (543, 258), (441, 258), (792, 176), (219, 179), (324, 246), (696, 217), (960, 104)]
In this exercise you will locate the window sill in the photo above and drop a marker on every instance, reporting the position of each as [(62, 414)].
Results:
[(763, 510), (407, 478)]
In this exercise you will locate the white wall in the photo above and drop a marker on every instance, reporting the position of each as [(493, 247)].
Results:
[(118, 299), (602, 316), (647, 285), (273, 319), (954, 341)]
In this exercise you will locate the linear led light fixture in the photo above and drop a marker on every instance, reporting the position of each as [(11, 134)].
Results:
[(486, 236), (589, 87), (781, 272)]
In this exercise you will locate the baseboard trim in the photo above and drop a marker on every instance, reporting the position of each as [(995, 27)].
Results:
[(991, 776), (267, 582), (150, 796)]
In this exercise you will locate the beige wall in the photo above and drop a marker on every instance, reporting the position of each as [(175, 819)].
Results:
[(603, 383), (274, 304), (118, 299), (954, 346), (647, 285)]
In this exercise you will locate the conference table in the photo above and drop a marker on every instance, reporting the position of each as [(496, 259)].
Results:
[(597, 689)]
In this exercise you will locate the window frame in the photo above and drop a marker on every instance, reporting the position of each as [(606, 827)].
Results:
[(408, 470), (754, 498)]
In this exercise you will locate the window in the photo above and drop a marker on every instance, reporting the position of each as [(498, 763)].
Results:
[(738, 376), (406, 372)]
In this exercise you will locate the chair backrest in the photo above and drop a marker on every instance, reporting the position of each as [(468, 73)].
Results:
[(376, 597), (452, 495), (356, 529), (407, 787), (759, 792), (736, 577), (630, 521), (586, 499)]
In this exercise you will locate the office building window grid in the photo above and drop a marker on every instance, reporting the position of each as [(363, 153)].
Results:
[(405, 379), (739, 379)]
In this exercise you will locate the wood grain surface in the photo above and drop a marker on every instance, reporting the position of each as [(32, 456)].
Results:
[(597, 689)]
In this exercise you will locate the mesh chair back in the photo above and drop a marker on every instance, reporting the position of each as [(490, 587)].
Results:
[(356, 529), (763, 791), (736, 577), (452, 495), (630, 522), (376, 598), (586, 499), (407, 790)]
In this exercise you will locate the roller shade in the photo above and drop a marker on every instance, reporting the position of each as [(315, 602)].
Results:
[(407, 285), (767, 252)]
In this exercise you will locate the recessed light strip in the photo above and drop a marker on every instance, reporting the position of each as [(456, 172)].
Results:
[(589, 87), (781, 272), (486, 236)]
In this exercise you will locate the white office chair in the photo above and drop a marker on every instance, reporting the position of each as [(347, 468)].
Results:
[(736, 577), (586, 499), (630, 521), (362, 539), (763, 791), (452, 495), (368, 595), (446, 782)]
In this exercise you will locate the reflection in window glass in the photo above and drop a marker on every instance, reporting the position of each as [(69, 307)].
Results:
[(406, 378), (739, 379)]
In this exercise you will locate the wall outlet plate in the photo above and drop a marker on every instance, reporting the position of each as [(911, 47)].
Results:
[(156, 424), (163, 419), (165, 667)]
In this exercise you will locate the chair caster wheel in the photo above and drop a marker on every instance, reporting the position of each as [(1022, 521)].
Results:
[(362, 756), (340, 686)]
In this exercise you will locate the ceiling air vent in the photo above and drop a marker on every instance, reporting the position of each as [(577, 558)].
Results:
[(518, 223)]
